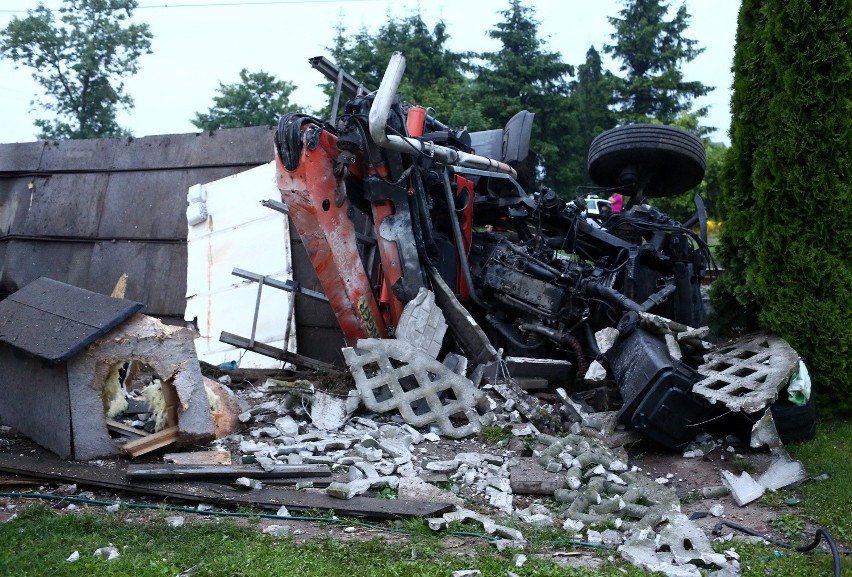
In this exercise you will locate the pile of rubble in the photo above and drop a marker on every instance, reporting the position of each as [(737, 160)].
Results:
[(389, 435)]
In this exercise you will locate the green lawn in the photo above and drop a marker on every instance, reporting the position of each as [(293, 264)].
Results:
[(39, 540)]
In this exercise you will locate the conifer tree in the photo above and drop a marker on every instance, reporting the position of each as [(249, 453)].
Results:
[(651, 50)]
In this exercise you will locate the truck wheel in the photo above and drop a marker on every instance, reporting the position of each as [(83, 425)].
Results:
[(651, 159), (793, 422)]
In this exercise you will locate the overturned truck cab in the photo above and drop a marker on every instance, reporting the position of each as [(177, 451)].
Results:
[(389, 200)]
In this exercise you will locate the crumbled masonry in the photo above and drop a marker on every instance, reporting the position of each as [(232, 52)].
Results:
[(422, 324), (393, 375), (746, 374)]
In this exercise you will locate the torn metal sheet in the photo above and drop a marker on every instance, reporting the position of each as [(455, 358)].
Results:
[(747, 374)]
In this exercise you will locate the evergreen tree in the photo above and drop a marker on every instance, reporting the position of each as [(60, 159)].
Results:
[(591, 101), (257, 100), (802, 179), (651, 50), (435, 75), (79, 61), (789, 181), (524, 75)]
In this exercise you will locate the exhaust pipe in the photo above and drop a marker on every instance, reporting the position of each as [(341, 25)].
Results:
[(379, 119)]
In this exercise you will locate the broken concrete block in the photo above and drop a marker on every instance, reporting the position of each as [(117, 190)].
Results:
[(422, 324), (287, 425), (393, 375), (746, 374), (277, 530), (416, 489), (605, 338), (743, 489), (783, 471), (348, 490), (764, 432), (329, 412), (247, 483), (595, 373), (109, 552)]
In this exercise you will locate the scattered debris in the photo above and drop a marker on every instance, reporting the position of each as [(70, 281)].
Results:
[(109, 552), (744, 489)]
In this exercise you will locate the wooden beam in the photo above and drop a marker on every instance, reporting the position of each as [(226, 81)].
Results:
[(268, 498), (276, 353), (152, 442), (170, 471), (199, 458), (126, 430)]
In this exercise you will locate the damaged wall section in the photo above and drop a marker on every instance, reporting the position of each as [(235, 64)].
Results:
[(59, 347)]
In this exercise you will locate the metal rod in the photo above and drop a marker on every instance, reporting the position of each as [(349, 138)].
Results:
[(290, 285), (256, 310)]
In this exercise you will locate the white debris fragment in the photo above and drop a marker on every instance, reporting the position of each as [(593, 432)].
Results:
[(175, 521), (109, 552), (744, 489), (75, 556), (277, 530), (113, 508), (717, 510)]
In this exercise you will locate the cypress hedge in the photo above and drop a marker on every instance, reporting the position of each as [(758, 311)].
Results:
[(787, 203)]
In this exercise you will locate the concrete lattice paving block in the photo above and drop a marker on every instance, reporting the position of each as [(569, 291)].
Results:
[(746, 374), (393, 375)]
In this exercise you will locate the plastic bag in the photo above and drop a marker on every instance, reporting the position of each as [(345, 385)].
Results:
[(799, 389)]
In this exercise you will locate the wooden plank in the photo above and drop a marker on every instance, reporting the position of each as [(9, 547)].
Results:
[(171, 471), (276, 353), (152, 442), (125, 430), (199, 458), (268, 498)]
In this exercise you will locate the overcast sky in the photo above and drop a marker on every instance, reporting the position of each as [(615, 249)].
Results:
[(198, 43)]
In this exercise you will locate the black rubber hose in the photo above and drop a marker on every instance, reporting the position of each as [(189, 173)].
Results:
[(821, 533)]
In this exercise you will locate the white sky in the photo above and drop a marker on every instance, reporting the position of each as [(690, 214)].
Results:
[(196, 47)]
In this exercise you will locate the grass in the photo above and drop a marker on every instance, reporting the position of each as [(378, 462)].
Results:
[(39, 540)]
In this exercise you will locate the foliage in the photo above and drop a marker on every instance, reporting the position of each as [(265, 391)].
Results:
[(651, 50), (257, 100), (79, 60), (591, 101), (682, 207), (799, 182), (38, 542), (733, 298), (522, 74), (436, 74)]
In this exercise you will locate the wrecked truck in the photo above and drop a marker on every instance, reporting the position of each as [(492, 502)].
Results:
[(389, 200)]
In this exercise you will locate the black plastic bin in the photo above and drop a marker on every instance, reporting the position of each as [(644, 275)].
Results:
[(657, 390)]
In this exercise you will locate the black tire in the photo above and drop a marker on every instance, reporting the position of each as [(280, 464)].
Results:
[(793, 422), (672, 160)]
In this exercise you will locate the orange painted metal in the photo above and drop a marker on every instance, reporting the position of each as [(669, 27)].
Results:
[(464, 196), (328, 235)]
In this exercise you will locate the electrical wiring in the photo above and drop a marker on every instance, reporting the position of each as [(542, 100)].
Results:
[(821, 534)]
